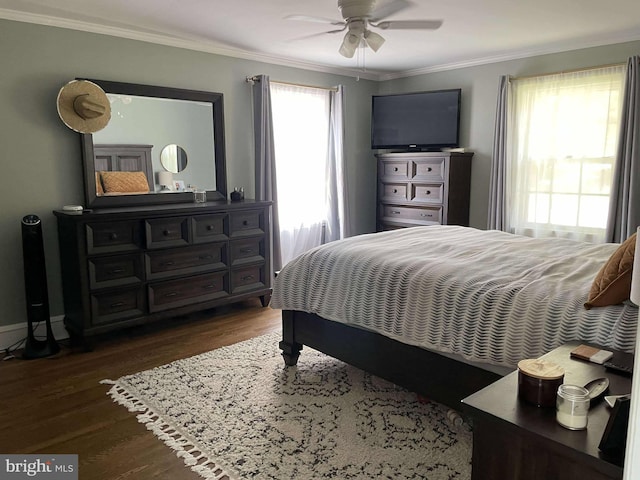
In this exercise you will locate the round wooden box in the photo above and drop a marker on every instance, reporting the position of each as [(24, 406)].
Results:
[(538, 381)]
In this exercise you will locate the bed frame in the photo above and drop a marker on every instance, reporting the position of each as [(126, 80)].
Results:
[(429, 374)]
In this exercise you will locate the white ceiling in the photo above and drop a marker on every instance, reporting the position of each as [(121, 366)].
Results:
[(474, 31)]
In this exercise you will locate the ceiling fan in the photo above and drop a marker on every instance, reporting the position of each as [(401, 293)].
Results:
[(359, 15)]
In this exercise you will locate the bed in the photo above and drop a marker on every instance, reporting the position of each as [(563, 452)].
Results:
[(446, 310)]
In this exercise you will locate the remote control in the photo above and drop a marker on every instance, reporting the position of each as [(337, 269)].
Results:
[(626, 368)]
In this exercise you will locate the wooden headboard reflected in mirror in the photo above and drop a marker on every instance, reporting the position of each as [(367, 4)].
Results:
[(154, 117)]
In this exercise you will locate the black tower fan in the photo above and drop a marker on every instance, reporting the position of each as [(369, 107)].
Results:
[(35, 283)]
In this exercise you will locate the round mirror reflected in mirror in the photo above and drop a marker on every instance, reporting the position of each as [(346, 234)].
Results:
[(173, 158)]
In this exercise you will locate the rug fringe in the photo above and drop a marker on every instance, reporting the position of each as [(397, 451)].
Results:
[(191, 455)]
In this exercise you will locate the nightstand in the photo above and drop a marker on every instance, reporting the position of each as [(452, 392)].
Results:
[(515, 440)]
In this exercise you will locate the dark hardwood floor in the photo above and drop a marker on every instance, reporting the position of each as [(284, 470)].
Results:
[(57, 405)]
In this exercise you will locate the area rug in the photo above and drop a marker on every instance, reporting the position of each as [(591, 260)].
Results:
[(237, 412)]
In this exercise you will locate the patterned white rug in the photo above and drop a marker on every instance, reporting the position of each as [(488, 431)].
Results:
[(237, 412)]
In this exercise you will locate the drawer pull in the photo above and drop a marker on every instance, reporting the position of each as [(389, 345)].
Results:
[(429, 169), (209, 287), (209, 227), (396, 212), (248, 277), (113, 236), (116, 270), (117, 304), (205, 257), (245, 222), (246, 250), (168, 263), (426, 215), (170, 294), (428, 192), (166, 232), (395, 190)]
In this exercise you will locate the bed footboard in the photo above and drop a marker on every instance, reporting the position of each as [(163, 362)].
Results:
[(439, 378)]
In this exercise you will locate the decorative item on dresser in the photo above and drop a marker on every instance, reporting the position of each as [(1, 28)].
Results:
[(423, 188), (131, 265)]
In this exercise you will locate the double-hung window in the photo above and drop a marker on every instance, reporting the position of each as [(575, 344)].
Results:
[(563, 142)]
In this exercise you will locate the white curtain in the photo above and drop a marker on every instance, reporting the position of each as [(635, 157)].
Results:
[(563, 147), (301, 139)]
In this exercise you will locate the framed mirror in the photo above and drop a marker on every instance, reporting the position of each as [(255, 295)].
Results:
[(144, 120)]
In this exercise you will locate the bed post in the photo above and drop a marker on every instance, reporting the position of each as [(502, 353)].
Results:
[(290, 348)]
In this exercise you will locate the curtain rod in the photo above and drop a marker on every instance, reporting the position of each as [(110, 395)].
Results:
[(255, 78), (575, 70)]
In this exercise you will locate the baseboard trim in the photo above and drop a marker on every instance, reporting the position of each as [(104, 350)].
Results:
[(11, 334)]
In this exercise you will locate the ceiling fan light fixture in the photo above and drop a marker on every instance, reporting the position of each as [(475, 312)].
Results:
[(374, 40), (349, 44)]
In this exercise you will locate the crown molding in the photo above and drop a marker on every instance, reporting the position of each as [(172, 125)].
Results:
[(558, 48), (171, 41)]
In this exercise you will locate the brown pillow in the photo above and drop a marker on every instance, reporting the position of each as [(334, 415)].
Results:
[(124, 182), (99, 189), (612, 285)]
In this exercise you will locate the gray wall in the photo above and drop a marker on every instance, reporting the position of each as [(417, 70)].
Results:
[(41, 159)]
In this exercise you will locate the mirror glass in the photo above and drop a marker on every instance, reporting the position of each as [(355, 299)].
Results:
[(150, 131), (173, 158)]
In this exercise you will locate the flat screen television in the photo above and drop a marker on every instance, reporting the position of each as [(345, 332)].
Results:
[(414, 121)]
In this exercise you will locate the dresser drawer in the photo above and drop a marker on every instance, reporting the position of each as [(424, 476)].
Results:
[(413, 215), (210, 228), (395, 169), (114, 306), (430, 169), (250, 250), (247, 278), (115, 271), (246, 223), (393, 192), (167, 232), (177, 293), (107, 237), (427, 193), (201, 258)]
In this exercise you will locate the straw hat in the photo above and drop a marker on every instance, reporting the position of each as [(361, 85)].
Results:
[(83, 106)]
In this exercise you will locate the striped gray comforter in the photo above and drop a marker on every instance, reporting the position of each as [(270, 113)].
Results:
[(488, 296)]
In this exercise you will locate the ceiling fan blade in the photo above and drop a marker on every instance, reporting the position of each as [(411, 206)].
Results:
[(409, 25), (387, 10), (309, 18), (320, 34)]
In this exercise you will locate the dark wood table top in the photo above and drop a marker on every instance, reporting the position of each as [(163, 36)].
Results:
[(500, 400)]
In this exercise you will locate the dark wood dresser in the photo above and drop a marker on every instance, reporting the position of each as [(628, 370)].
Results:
[(126, 266), (423, 188)]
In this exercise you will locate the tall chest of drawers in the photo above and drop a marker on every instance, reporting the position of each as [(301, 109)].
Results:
[(423, 188), (127, 266)]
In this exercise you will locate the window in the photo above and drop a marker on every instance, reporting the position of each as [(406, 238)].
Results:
[(301, 143), (565, 132)]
